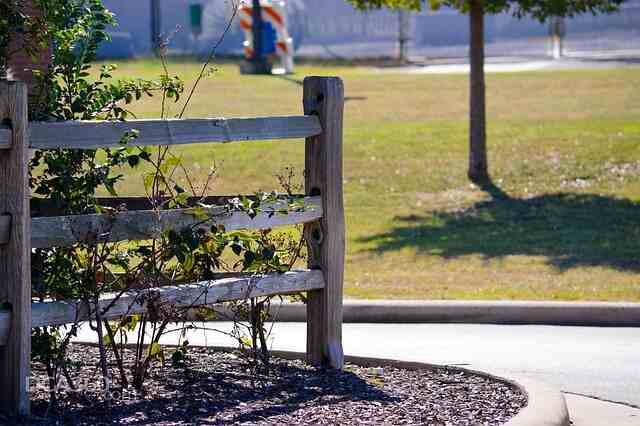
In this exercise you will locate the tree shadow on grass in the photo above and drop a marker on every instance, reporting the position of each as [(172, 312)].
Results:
[(571, 230), (301, 83)]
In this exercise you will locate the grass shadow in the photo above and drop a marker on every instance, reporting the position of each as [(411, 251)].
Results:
[(571, 230), (301, 83)]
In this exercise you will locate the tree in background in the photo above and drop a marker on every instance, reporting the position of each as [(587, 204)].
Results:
[(537, 9), (23, 44)]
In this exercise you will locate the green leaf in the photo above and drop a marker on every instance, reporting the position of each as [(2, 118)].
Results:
[(155, 349), (110, 188), (130, 322), (249, 258), (133, 160), (200, 213), (148, 180), (246, 340), (189, 262), (181, 199), (144, 154), (169, 164)]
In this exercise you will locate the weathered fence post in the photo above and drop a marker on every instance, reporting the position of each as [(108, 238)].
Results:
[(15, 256), (324, 97)]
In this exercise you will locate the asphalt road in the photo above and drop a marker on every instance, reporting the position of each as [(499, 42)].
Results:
[(599, 362)]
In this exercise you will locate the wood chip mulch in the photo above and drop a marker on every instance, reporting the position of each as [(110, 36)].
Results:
[(219, 388)]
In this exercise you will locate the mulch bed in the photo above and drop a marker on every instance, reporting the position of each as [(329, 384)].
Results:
[(219, 388)]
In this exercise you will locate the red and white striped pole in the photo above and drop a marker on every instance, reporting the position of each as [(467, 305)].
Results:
[(272, 19), (257, 63)]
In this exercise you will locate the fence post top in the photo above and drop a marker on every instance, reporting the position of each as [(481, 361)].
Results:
[(317, 89), (318, 79)]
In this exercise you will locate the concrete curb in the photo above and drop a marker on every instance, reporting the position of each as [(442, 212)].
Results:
[(604, 314), (546, 405), (588, 411)]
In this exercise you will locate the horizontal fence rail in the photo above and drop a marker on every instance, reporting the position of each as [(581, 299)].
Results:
[(146, 224), (47, 207), (108, 134), (203, 293)]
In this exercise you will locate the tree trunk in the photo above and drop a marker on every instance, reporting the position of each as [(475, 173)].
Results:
[(403, 36), (256, 29), (478, 169), (155, 16), (25, 60), (557, 33)]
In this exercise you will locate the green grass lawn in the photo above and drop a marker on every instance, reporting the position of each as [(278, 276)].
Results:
[(565, 147)]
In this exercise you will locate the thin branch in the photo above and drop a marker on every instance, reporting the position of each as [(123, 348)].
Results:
[(212, 53)]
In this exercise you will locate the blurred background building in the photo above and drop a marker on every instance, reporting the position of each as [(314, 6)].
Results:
[(336, 30)]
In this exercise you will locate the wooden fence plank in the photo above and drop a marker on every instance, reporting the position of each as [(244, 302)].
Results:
[(46, 206), (15, 255), (5, 228), (5, 325), (324, 97), (108, 134), (181, 296), (146, 224), (5, 138)]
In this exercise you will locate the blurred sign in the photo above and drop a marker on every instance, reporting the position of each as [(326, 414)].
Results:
[(195, 18)]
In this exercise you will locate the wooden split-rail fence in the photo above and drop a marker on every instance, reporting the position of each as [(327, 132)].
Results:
[(20, 231)]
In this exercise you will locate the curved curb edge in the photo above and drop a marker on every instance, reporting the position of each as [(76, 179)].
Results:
[(546, 406)]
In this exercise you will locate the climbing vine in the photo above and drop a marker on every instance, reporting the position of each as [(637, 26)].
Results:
[(68, 181)]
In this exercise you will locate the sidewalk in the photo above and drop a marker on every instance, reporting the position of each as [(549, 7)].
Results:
[(500, 64), (585, 360), (593, 412)]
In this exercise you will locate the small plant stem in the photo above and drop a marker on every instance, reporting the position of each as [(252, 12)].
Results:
[(103, 354), (254, 330), (139, 345), (53, 400), (67, 376), (116, 352), (263, 340), (212, 54)]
